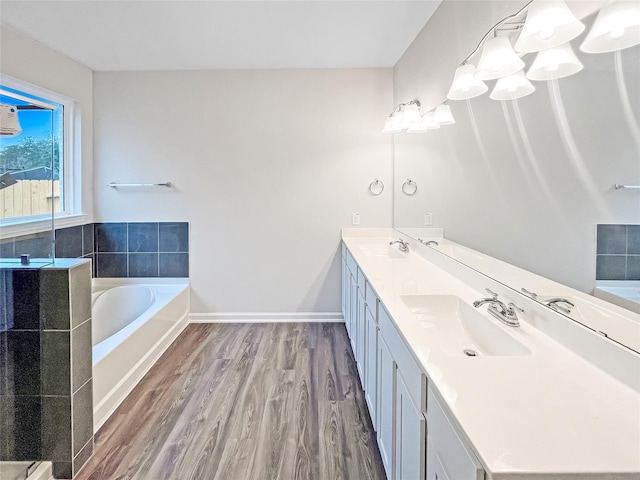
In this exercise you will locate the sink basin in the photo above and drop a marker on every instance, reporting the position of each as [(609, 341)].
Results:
[(382, 251), (460, 329)]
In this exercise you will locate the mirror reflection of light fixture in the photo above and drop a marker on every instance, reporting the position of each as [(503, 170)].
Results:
[(410, 115), (512, 87), (391, 125), (429, 121), (443, 115), (498, 59), (556, 62), (465, 85), (403, 117), (549, 23), (616, 27), (418, 127)]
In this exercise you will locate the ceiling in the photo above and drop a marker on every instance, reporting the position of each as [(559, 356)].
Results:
[(108, 35)]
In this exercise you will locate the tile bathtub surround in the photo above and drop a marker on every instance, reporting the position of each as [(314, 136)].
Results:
[(117, 249), (46, 395), (618, 252), (142, 249)]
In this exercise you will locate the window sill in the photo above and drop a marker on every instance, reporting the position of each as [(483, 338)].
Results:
[(29, 227)]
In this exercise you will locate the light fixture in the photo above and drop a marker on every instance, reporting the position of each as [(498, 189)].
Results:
[(443, 116), (556, 62), (465, 85), (391, 125), (498, 60), (403, 117), (512, 87), (429, 121), (410, 114), (616, 27), (549, 23), (417, 127)]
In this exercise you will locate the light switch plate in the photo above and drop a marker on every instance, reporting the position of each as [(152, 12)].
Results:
[(355, 219), (428, 218)]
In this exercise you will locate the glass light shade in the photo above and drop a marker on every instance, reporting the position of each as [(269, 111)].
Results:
[(498, 60), (616, 27), (443, 115), (549, 23), (512, 87), (391, 125), (410, 115), (429, 121), (465, 85), (556, 62), (417, 127)]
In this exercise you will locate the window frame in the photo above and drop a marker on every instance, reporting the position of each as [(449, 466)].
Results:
[(70, 178)]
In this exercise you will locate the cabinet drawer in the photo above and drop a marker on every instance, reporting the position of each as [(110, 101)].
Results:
[(412, 374), (454, 458)]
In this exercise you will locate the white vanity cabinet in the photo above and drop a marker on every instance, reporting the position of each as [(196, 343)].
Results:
[(447, 455), (410, 448), (370, 356), (384, 422)]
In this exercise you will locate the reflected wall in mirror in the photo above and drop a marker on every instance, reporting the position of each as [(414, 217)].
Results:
[(525, 181)]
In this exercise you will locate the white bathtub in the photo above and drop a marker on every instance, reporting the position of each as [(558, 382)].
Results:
[(134, 321), (625, 293)]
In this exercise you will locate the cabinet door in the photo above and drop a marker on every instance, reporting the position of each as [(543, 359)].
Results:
[(360, 336), (353, 309), (386, 395), (410, 446), (371, 364), (345, 292)]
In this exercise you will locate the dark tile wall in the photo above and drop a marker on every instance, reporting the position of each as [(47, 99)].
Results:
[(46, 408), (148, 249), (618, 252), (118, 249)]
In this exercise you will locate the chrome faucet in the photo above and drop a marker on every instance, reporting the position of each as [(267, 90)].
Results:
[(505, 313), (404, 246), (554, 303), (430, 242)]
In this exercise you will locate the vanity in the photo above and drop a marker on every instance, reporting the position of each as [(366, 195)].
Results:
[(455, 394)]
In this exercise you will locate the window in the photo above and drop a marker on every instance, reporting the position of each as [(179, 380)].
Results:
[(35, 158)]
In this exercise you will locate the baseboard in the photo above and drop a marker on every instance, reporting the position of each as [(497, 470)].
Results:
[(265, 317)]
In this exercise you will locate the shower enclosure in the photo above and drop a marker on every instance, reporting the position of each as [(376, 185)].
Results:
[(29, 194)]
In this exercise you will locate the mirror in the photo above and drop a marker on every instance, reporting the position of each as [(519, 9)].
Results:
[(527, 181)]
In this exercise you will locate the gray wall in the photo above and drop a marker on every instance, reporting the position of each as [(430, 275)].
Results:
[(267, 165), (528, 180)]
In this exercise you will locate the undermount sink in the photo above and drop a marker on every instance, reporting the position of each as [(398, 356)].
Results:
[(382, 251), (461, 330)]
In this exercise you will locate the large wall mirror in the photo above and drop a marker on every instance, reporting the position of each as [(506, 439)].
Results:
[(529, 181)]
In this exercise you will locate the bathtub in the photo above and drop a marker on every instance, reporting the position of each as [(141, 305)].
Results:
[(133, 322), (625, 293)]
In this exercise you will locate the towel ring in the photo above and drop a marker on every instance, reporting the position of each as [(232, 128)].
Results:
[(409, 187), (376, 187)]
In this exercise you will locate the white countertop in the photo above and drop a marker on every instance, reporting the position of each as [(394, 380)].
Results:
[(536, 416)]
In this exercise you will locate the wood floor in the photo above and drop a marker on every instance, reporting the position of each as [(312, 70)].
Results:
[(243, 402)]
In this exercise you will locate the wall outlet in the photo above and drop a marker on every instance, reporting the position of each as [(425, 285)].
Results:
[(355, 219), (428, 218)]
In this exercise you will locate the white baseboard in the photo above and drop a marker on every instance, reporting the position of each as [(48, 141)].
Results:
[(265, 317)]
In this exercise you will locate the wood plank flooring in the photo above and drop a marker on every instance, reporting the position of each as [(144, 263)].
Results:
[(243, 402)]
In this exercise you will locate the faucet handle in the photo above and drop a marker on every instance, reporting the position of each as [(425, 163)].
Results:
[(527, 292), (492, 293), (515, 307)]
